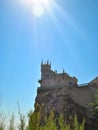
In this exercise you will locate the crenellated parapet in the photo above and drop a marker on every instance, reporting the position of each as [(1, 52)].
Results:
[(46, 66)]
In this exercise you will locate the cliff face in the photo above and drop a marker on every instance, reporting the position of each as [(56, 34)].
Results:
[(69, 101), (62, 98), (61, 101)]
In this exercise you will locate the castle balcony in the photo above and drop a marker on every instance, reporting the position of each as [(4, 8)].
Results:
[(40, 81)]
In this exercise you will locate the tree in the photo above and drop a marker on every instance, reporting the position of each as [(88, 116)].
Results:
[(94, 107), (50, 122), (94, 111), (22, 123), (34, 120), (77, 125), (2, 121), (12, 127)]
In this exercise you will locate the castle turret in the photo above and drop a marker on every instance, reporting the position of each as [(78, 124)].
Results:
[(45, 66), (45, 70)]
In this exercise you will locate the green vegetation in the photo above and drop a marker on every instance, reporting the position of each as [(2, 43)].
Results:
[(50, 122), (94, 111), (94, 107), (37, 120), (12, 127), (2, 119)]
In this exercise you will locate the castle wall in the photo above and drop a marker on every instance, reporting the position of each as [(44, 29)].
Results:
[(49, 74), (52, 79), (83, 95), (58, 81), (95, 81)]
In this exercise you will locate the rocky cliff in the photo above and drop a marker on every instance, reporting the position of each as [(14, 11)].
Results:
[(60, 98), (69, 101)]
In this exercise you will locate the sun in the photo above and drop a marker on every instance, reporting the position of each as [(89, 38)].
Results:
[(38, 10), (39, 7)]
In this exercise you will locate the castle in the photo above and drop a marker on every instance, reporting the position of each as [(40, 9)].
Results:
[(61, 84), (51, 79), (63, 93)]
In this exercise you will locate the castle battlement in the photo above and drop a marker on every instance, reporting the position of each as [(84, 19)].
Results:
[(52, 79)]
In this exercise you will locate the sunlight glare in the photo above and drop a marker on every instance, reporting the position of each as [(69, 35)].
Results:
[(25, 3), (39, 7), (38, 10), (44, 2)]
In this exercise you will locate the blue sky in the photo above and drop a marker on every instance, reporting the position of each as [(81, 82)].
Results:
[(67, 35)]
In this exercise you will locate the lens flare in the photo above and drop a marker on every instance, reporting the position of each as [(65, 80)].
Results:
[(39, 7), (38, 10)]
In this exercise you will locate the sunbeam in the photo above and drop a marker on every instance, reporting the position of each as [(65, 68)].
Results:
[(64, 16), (67, 18)]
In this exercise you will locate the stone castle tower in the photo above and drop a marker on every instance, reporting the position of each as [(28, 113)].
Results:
[(52, 79)]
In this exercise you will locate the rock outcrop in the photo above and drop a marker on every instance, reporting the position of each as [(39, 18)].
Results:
[(73, 102), (70, 100)]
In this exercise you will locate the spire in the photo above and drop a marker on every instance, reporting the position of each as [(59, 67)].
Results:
[(50, 63), (63, 70), (47, 62), (42, 62)]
